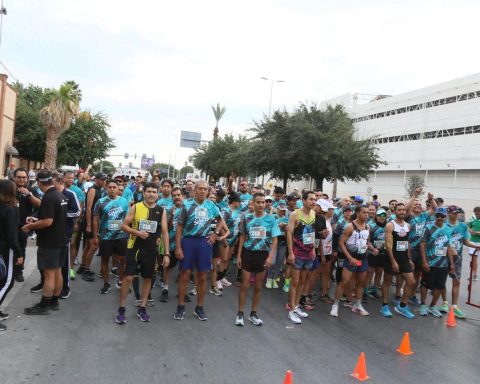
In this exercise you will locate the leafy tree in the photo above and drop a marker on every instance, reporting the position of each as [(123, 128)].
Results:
[(57, 117), (413, 182), (163, 169), (184, 170), (223, 157), (104, 166), (271, 150), (218, 112)]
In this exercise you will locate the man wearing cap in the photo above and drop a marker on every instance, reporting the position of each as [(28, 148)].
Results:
[(268, 205), (292, 202), (437, 261), (460, 237), (398, 261), (338, 212), (93, 195), (376, 261), (278, 194), (51, 241), (338, 229), (273, 274), (358, 200)]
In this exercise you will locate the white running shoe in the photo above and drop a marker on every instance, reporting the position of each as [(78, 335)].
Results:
[(301, 313), (334, 311), (239, 321), (294, 317), (358, 308), (225, 282), (219, 285)]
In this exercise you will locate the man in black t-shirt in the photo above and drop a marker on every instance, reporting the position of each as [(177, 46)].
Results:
[(51, 241), (28, 202)]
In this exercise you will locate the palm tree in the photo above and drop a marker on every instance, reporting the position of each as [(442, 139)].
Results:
[(57, 117), (218, 112)]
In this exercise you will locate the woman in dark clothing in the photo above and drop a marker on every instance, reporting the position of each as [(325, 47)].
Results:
[(10, 250)]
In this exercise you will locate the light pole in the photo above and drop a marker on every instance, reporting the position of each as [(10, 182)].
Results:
[(272, 81)]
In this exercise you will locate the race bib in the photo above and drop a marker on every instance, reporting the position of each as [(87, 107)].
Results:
[(308, 238), (456, 244), (402, 246), (201, 213), (235, 231), (317, 243), (441, 251), (147, 226), (327, 247), (114, 225), (362, 249), (378, 244), (259, 233)]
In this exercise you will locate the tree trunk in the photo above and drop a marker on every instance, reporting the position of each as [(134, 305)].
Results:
[(319, 183), (51, 151)]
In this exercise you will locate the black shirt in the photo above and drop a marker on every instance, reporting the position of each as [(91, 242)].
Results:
[(9, 232), (53, 206), (25, 206)]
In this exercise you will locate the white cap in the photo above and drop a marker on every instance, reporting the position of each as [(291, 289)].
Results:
[(269, 198), (324, 204)]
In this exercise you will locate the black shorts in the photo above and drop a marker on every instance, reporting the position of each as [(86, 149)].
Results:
[(417, 259), (217, 250), (52, 258), (140, 261), (435, 278), (254, 261), (376, 261), (402, 261), (109, 247)]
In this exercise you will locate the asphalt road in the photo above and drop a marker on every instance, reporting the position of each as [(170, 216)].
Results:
[(81, 342)]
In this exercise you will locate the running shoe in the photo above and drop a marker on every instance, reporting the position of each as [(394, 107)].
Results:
[(385, 311), (120, 319), (458, 313), (348, 304), (65, 294), (219, 285), (87, 276), (309, 300), (422, 311), (164, 296), (444, 308), (187, 299), (255, 320), (434, 311), (36, 310), (414, 301), (137, 302), (180, 313), (54, 305), (3, 327), (225, 282), (275, 284), (4, 316), (239, 321), (199, 312), (105, 289), (72, 274), (373, 294), (215, 291), (294, 317), (334, 310), (404, 311), (326, 299), (308, 307), (193, 292), (37, 288), (81, 269), (150, 301), (299, 311), (286, 286), (143, 315), (269, 284), (358, 308), (118, 284), (114, 271)]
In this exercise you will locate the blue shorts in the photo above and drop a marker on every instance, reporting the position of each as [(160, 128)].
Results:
[(197, 254), (354, 268), (303, 263)]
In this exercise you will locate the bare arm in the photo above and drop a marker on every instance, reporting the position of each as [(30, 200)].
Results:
[(241, 241), (292, 223), (389, 242), (343, 239), (89, 208), (178, 242)]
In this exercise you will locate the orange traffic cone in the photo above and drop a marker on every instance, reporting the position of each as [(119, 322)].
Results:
[(288, 378), (360, 371), (404, 347), (451, 321)]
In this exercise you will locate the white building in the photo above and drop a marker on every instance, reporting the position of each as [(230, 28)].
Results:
[(432, 132)]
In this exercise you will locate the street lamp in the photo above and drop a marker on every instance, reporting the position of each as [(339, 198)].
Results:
[(271, 90)]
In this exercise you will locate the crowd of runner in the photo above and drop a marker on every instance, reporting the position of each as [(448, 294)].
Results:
[(211, 237)]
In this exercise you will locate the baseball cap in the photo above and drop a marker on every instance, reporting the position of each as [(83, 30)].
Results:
[(282, 206), (358, 199), (441, 211), (381, 211), (44, 176), (269, 198), (292, 196), (452, 209), (347, 208), (100, 176), (325, 205)]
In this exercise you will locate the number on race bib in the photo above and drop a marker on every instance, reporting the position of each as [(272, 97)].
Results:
[(258, 233), (148, 226), (441, 251), (114, 225), (402, 246), (308, 238)]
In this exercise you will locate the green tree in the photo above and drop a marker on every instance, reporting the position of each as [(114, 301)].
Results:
[(57, 117), (223, 157), (163, 168), (413, 182), (218, 112), (184, 170), (104, 166), (271, 150)]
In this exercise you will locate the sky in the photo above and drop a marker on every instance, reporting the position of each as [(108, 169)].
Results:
[(156, 67)]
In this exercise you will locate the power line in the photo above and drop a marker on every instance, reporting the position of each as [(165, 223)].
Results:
[(8, 71)]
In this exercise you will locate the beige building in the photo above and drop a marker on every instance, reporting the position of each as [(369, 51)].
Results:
[(8, 103)]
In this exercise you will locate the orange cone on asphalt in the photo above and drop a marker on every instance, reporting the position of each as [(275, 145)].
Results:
[(404, 347), (288, 378), (451, 321), (360, 371)]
